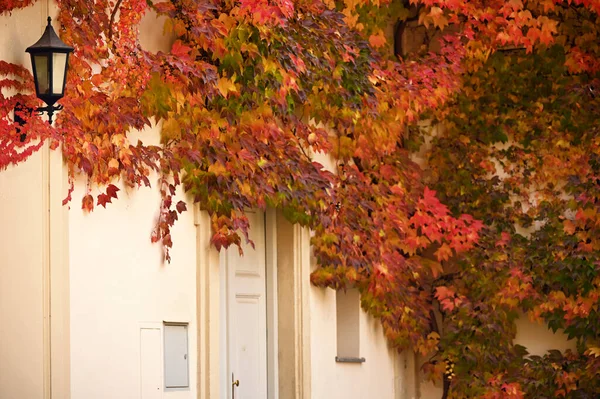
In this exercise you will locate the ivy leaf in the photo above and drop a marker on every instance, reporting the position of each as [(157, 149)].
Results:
[(446, 298), (226, 86), (569, 227), (377, 40), (180, 50), (181, 207), (112, 190), (444, 252)]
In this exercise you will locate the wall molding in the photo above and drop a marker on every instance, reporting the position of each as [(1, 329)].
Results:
[(207, 308)]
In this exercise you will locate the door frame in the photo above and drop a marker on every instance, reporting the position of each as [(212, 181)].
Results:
[(288, 322), (272, 304), (271, 312)]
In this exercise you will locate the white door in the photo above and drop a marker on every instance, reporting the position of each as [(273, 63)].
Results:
[(246, 315), (150, 363)]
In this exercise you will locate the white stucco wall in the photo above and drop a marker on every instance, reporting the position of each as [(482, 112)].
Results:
[(372, 379), (119, 284)]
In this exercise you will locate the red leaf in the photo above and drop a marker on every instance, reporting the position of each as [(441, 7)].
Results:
[(181, 207), (446, 297), (112, 190), (103, 199), (504, 239), (166, 240), (164, 7), (180, 50)]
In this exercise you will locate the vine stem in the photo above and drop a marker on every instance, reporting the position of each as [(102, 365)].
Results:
[(113, 14)]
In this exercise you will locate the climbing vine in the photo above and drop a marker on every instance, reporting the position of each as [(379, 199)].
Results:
[(465, 186)]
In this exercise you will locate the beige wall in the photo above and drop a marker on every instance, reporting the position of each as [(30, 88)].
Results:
[(372, 379), (538, 338), (25, 202), (119, 284), (21, 304)]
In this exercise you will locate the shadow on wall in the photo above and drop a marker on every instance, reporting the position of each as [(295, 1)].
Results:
[(538, 338)]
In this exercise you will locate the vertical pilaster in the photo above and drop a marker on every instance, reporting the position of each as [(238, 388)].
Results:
[(58, 284), (207, 307), (46, 248), (46, 277), (293, 275), (406, 375)]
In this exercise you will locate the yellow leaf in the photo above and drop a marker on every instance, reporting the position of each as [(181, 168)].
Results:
[(464, 139), (171, 129), (594, 350), (351, 20), (179, 28), (119, 140), (436, 267), (217, 168), (433, 336), (226, 86), (251, 49), (125, 156), (269, 65), (113, 164), (438, 18)]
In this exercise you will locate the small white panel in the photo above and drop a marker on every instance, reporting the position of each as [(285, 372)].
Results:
[(176, 356), (150, 363)]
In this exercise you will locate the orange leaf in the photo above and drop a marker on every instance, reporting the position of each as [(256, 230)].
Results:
[(377, 40), (569, 227), (443, 253)]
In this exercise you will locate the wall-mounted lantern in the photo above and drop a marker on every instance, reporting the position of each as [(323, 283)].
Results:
[(50, 61)]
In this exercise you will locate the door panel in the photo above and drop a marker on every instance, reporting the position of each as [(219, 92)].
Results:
[(246, 314), (151, 363), (247, 348)]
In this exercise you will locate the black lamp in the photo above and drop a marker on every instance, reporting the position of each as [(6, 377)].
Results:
[(50, 61)]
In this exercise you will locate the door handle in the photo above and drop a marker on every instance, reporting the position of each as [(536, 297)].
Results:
[(234, 383)]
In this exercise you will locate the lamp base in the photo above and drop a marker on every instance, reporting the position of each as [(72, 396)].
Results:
[(21, 109), (50, 109)]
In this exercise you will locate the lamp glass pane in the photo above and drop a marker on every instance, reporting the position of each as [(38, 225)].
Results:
[(41, 71), (59, 64)]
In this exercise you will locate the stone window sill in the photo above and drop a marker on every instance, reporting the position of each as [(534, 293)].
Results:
[(339, 359)]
